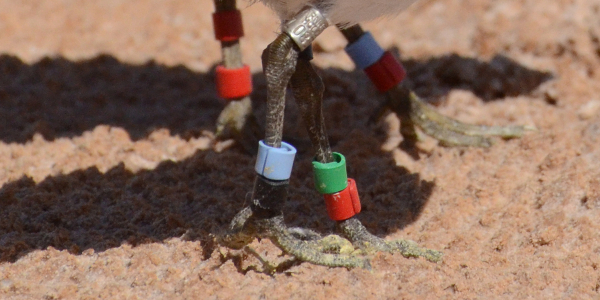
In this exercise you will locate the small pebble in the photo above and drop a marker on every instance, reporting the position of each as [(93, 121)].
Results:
[(5, 284), (589, 110)]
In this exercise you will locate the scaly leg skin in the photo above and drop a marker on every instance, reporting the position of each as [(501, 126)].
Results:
[(264, 218), (413, 112), (308, 90)]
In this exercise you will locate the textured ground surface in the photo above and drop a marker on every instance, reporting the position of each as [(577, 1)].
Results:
[(112, 183)]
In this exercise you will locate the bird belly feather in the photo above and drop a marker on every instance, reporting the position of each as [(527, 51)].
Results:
[(343, 12)]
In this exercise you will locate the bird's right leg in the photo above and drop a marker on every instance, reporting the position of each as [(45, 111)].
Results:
[(387, 74)]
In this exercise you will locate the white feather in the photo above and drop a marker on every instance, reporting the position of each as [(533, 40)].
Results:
[(345, 12)]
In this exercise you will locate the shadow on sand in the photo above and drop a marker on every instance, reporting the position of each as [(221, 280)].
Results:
[(198, 196)]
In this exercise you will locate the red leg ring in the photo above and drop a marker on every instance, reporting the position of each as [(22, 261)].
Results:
[(344, 204), (234, 83), (386, 72)]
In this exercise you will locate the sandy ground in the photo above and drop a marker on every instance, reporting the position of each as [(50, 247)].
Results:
[(112, 183)]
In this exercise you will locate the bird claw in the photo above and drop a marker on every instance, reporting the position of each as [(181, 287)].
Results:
[(414, 112), (369, 243)]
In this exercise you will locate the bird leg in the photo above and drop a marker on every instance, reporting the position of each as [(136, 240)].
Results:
[(234, 82), (264, 217), (286, 61), (412, 111), (307, 87)]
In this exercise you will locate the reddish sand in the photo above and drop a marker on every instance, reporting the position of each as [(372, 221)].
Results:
[(112, 184)]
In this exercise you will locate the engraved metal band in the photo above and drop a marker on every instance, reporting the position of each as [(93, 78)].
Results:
[(306, 26)]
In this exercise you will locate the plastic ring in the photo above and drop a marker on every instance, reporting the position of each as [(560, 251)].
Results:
[(345, 204), (228, 25), (331, 177), (275, 163), (386, 73), (365, 51), (233, 83)]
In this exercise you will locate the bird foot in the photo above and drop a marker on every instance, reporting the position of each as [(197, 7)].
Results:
[(238, 122), (369, 243), (304, 245), (414, 112), (308, 246)]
